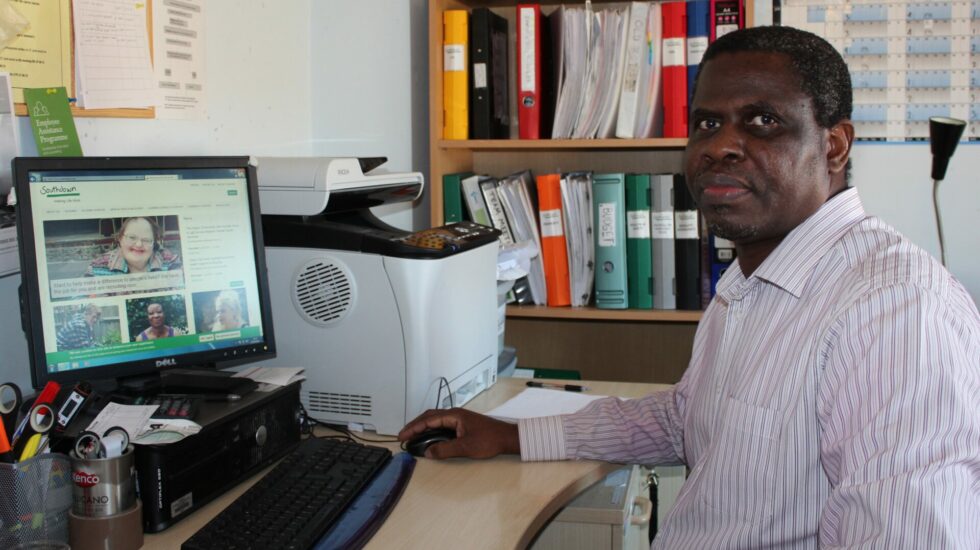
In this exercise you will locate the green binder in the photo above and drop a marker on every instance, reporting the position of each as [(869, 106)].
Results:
[(452, 197), (609, 230), (639, 257)]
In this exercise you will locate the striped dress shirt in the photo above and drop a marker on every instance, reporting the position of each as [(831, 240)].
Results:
[(832, 401)]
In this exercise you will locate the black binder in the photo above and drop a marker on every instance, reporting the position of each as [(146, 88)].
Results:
[(489, 117), (687, 247)]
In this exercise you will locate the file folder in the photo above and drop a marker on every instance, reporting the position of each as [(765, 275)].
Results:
[(609, 215), (455, 119), (675, 68), (639, 247)]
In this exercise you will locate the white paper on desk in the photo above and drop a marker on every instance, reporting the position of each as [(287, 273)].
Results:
[(277, 376), (135, 419), (112, 55), (535, 402)]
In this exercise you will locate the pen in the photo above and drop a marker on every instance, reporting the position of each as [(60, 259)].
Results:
[(566, 387)]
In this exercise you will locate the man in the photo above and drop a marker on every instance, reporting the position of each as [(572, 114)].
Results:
[(79, 332), (832, 394)]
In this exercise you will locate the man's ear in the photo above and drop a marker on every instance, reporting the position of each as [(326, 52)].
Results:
[(840, 138)]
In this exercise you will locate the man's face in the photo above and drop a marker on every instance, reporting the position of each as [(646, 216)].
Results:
[(155, 313), (756, 160), (92, 317)]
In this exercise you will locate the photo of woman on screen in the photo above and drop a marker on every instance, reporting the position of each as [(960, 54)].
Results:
[(138, 249), (227, 311), (158, 325)]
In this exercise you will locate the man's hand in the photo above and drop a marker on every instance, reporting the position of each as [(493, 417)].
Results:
[(477, 436)]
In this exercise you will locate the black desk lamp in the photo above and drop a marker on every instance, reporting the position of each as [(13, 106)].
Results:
[(944, 135)]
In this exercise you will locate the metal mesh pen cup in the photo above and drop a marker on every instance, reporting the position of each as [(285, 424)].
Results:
[(35, 497)]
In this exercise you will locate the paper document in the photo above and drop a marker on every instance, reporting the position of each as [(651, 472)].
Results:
[(178, 58), (134, 419), (112, 55), (535, 402), (277, 376), (40, 57)]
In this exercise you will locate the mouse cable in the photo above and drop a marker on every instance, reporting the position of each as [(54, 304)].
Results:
[(351, 435)]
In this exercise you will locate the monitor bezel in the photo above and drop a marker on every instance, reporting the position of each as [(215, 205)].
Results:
[(30, 301)]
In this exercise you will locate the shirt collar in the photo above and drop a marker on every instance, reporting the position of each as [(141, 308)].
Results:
[(791, 264)]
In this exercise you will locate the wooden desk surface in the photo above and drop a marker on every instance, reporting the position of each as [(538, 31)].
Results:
[(496, 503)]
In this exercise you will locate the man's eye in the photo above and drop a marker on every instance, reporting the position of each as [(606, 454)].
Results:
[(707, 124), (762, 120)]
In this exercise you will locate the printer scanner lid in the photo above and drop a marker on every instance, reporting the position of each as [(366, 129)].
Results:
[(307, 186)]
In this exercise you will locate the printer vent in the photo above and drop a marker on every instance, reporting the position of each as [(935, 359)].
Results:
[(339, 403), (323, 291)]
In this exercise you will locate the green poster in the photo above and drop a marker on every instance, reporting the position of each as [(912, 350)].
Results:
[(51, 120)]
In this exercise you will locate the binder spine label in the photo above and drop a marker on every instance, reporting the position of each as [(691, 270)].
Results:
[(674, 52), (454, 57), (607, 224), (479, 75), (687, 224), (638, 224), (528, 70), (662, 225), (551, 223), (696, 45)]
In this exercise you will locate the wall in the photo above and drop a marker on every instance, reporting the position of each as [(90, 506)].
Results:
[(895, 184)]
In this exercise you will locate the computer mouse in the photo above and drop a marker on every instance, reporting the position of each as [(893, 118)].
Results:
[(418, 444)]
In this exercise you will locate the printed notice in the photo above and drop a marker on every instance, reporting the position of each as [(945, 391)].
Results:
[(178, 58), (40, 57)]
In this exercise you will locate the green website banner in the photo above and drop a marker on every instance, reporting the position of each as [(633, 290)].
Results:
[(186, 341), (52, 122)]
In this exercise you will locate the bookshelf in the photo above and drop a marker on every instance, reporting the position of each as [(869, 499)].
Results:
[(621, 345)]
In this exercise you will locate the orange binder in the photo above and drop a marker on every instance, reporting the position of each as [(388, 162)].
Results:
[(675, 68), (455, 81), (554, 251)]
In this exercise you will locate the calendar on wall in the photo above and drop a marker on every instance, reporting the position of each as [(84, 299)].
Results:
[(909, 60)]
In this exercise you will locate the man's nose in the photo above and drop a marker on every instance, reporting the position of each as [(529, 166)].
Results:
[(726, 144)]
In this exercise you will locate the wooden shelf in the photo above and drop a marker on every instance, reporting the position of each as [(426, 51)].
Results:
[(584, 144), (596, 314)]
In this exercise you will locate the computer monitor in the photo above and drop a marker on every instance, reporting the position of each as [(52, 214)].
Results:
[(133, 265)]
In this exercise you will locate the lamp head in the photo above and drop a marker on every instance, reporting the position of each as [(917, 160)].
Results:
[(944, 134)]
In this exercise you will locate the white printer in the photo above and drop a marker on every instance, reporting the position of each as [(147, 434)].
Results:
[(386, 323)]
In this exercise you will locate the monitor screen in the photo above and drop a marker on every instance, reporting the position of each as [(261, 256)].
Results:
[(131, 265)]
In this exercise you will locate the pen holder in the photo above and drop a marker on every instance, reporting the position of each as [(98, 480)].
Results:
[(36, 499)]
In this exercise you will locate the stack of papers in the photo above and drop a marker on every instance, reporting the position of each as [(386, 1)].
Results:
[(537, 402), (515, 195), (270, 378)]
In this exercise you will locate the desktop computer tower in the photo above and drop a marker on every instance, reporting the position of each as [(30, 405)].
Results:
[(237, 439)]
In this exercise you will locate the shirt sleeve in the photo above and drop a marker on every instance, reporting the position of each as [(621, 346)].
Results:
[(644, 431), (900, 422)]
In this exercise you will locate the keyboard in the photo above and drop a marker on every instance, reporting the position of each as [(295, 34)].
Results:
[(298, 501)]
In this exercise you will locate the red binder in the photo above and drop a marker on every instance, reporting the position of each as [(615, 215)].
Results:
[(529, 71), (675, 68), (554, 253), (725, 16)]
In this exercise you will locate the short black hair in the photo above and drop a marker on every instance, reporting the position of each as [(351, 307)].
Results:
[(823, 74)]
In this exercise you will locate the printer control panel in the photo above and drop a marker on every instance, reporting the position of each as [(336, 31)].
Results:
[(453, 237)]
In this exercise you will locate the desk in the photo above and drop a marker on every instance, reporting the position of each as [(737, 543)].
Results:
[(462, 503)]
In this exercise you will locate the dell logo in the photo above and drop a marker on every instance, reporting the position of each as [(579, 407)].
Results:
[(168, 362)]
